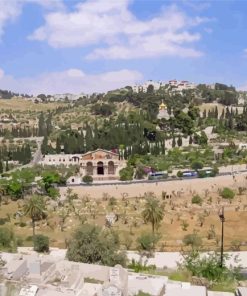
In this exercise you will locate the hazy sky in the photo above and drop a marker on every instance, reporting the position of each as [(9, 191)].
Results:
[(57, 46)]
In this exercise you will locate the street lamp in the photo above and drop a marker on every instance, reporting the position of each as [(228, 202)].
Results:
[(222, 219)]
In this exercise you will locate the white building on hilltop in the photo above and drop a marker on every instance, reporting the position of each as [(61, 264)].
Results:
[(144, 87), (178, 86)]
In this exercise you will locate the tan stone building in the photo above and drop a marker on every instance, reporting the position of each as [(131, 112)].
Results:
[(100, 164)]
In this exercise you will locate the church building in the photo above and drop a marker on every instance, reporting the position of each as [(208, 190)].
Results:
[(163, 113), (100, 164)]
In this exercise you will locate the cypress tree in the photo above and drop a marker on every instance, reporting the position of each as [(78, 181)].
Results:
[(7, 166), (58, 145), (42, 127), (190, 140), (180, 141), (173, 142)]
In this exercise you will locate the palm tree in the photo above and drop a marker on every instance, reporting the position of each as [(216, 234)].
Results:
[(153, 212), (35, 209)]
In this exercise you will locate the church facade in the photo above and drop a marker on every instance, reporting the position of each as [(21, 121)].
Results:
[(100, 164)]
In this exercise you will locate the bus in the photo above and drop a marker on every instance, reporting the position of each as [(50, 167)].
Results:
[(158, 175), (189, 174)]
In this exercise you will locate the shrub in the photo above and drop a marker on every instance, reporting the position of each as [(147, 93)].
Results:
[(126, 174), (196, 199), (19, 241), (140, 173), (139, 267), (87, 179), (197, 165), (53, 192), (3, 221), (93, 244), (29, 238), (179, 174), (23, 224), (184, 225), (202, 174), (41, 243), (140, 293), (235, 245), (192, 240), (211, 232), (6, 237), (227, 193), (147, 241), (112, 202)]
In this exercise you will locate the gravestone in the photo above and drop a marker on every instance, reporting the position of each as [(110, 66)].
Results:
[(111, 290), (118, 282), (110, 219), (35, 267)]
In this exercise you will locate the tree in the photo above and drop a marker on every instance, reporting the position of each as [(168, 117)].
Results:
[(6, 237), (92, 244), (7, 166), (173, 142), (193, 112), (196, 199), (41, 243), (35, 209), (42, 126), (1, 167), (140, 173), (150, 89), (203, 140), (180, 141), (50, 178), (197, 165), (208, 267), (58, 145), (147, 241), (153, 213), (126, 174), (227, 193), (192, 240), (87, 179), (15, 189)]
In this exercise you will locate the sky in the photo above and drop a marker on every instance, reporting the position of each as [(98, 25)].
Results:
[(85, 46)]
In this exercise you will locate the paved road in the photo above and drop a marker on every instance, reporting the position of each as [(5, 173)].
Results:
[(37, 156), (169, 179)]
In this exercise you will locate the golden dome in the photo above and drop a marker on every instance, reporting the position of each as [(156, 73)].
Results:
[(162, 106)]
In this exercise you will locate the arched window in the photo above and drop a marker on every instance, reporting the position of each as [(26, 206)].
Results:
[(75, 159), (111, 168), (100, 168), (89, 168)]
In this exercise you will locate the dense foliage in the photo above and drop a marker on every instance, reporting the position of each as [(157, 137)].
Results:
[(91, 244), (41, 243)]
